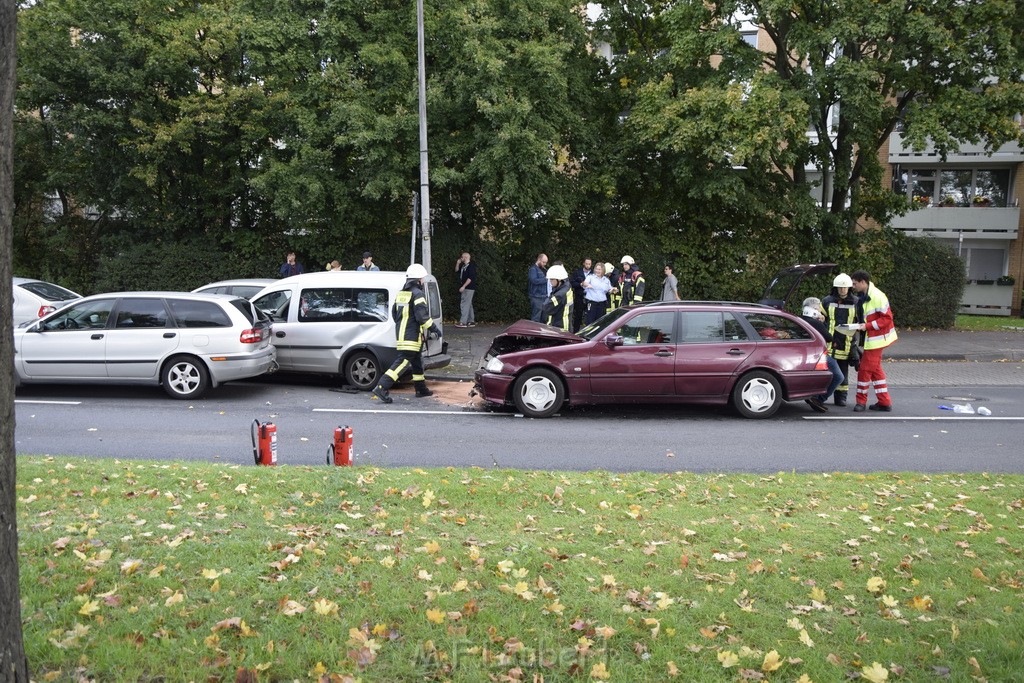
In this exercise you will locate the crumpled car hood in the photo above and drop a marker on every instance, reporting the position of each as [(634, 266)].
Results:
[(526, 334)]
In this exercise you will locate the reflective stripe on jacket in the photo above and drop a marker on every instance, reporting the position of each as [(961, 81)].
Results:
[(878, 326), (840, 312), (631, 287), (558, 309), (411, 317)]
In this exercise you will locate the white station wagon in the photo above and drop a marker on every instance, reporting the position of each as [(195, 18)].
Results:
[(183, 342)]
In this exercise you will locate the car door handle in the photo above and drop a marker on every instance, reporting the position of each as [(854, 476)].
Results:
[(170, 335), (736, 352), (663, 354), (96, 336), (279, 335)]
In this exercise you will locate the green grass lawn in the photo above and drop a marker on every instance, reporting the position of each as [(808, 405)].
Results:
[(142, 571), (988, 322)]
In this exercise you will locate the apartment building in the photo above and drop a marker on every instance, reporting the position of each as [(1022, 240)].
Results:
[(970, 201)]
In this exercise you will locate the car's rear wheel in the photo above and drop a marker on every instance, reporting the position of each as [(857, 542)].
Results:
[(538, 393), (185, 377), (362, 370), (757, 395)]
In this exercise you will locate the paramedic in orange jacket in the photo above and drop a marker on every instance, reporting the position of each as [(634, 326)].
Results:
[(879, 333)]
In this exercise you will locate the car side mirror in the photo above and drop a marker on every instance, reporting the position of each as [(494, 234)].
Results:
[(613, 340)]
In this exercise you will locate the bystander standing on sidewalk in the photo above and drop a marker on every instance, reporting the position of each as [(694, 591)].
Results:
[(290, 266), (879, 333), (537, 287), (596, 289), (670, 291), (467, 288), (367, 264), (577, 278)]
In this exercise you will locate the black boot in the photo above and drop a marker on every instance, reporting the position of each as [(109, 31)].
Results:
[(840, 398), (380, 392), (422, 390)]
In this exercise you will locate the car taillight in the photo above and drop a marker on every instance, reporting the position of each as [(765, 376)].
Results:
[(822, 362), (43, 310), (252, 336)]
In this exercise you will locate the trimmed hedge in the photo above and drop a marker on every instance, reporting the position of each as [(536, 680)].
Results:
[(926, 283)]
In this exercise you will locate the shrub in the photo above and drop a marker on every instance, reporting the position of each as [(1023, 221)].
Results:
[(926, 283)]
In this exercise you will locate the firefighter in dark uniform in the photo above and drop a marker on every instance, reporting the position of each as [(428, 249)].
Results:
[(842, 308), (412, 325), (559, 306), (631, 283)]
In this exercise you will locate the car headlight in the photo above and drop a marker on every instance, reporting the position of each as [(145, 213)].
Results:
[(494, 365)]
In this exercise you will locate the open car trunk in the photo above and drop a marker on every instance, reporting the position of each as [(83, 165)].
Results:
[(789, 280)]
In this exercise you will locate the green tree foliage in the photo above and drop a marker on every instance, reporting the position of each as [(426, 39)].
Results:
[(950, 71), (245, 127)]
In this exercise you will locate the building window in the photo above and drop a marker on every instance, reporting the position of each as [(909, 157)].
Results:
[(954, 186), (749, 37)]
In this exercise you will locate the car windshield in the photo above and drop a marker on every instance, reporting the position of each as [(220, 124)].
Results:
[(49, 291), (605, 321)]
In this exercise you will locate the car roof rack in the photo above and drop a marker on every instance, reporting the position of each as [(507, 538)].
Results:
[(708, 303)]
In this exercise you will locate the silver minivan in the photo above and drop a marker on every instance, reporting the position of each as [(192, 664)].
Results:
[(340, 323)]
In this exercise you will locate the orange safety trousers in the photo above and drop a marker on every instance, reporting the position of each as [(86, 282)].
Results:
[(871, 376)]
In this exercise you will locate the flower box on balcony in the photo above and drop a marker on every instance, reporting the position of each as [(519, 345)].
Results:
[(1006, 281)]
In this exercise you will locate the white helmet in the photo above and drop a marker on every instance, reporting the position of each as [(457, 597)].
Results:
[(557, 272), (415, 272), (842, 280), (608, 267), (627, 259)]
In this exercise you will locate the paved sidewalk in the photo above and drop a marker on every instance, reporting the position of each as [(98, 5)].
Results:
[(942, 357)]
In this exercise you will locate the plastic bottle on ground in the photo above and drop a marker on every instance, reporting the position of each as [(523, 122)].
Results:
[(982, 410)]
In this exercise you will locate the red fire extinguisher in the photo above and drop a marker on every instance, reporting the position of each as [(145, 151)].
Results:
[(340, 451), (264, 443)]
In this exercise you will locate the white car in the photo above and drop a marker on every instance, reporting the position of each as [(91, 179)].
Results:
[(184, 342), (245, 287), (35, 298)]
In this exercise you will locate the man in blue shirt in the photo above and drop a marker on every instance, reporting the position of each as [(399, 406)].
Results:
[(291, 266), (537, 287)]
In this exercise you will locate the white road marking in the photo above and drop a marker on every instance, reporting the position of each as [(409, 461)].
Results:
[(56, 403), (399, 411), (979, 418)]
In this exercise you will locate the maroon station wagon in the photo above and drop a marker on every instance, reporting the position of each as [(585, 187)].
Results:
[(664, 352)]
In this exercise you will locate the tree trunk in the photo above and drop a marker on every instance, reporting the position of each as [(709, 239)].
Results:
[(13, 665)]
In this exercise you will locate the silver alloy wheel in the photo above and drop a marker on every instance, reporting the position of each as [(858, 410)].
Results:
[(362, 371), (538, 393), (184, 377), (758, 395)]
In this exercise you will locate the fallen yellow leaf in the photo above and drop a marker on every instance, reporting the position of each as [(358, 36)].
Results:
[(771, 662), (876, 673), (728, 658)]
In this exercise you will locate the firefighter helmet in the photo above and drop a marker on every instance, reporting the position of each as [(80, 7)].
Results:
[(628, 259), (557, 272), (415, 272), (842, 280)]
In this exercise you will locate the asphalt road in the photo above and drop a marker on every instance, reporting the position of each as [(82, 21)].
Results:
[(141, 422)]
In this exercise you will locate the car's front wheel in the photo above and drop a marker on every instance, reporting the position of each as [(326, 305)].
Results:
[(757, 395), (362, 370), (538, 393), (185, 377)]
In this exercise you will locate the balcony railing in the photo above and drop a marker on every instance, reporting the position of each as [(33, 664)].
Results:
[(987, 299), (996, 223), (974, 154)]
